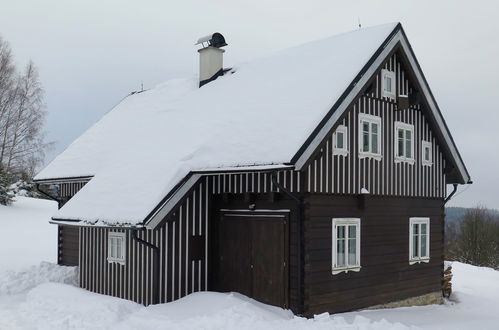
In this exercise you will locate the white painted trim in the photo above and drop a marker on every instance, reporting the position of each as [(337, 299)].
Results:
[(371, 119), (370, 72), (116, 235), (419, 221), (340, 151), (391, 75), (346, 222), (426, 144), (406, 127)]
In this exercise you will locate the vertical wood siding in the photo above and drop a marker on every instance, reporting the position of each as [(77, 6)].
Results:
[(69, 189), (337, 174), (179, 275)]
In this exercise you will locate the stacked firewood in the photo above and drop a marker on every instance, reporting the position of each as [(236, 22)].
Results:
[(446, 282)]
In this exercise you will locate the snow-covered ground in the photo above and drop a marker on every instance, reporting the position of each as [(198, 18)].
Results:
[(43, 297)]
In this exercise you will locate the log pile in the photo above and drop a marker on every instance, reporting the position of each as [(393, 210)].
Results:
[(446, 282)]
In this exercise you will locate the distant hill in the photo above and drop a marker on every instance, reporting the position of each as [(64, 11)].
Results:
[(457, 213)]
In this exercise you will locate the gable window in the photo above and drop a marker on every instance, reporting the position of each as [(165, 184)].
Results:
[(388, 83), (340, 141), (346, 245), (404, 142), (116, 247), (369, 136), (426, 154), (419, 240)]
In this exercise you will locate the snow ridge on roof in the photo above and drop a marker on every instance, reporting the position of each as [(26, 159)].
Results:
[(262, 115)]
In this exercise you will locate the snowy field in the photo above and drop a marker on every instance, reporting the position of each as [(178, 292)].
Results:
[(37, 294)]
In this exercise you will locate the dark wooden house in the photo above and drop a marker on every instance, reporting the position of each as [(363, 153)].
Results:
[(314, 180)]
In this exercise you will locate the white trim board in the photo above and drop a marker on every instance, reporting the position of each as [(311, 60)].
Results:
[(355, 91)]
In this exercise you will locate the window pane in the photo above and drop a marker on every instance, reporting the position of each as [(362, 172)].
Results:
[(340, 253), (408, 149), (400, 151), (388, 84), (352, 231), (427, 154), (423, 228), (340, 232), (339, 140), (118, 248), (352, 251), (424, 242), (365, 127), (365, 142), (400, 133), (113, 245), (374, 128), (415, 246), (415, 229)]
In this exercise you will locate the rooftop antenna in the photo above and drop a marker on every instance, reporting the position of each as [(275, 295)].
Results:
[(360, 26), (141, 86)]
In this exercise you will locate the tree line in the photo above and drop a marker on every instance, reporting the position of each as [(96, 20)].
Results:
[(22, 116), (474, 239)]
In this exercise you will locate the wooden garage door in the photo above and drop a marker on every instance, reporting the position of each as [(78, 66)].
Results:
[(253, 255)]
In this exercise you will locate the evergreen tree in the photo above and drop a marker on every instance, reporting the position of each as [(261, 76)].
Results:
[(6, 193)]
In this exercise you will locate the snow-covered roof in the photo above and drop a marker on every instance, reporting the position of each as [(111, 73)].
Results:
[(259, 115)]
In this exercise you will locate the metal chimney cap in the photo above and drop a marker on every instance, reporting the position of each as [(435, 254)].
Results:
[(216, 40)]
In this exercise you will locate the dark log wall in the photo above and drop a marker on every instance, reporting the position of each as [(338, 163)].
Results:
[(385, 274), (68, 237), (183, 242), (328, 173)]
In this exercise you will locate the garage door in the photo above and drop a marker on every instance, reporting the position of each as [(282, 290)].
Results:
[(253, 253)]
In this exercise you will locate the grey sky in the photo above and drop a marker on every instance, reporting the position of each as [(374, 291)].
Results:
[(93, 53)]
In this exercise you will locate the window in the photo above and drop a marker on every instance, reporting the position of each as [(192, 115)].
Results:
[(404, 142), (369, 136), (426, 154), (116, 247), (388, 83), (346, 245), (340, 141), (419, 240)]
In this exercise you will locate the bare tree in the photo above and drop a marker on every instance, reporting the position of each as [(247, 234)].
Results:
[(22, 114), (478, 241)]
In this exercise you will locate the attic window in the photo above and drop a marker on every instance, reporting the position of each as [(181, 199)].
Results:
[(340, 141), (426, 153), (369, 136), (404, 145), (388, 84), (116, 247)]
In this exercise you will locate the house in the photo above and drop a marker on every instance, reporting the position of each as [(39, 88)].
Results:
[(313, 179)]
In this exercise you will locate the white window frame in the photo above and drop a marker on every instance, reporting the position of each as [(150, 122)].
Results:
[(419, 221), (388, 74), (406, 127), (345, 222), (113, 236), (341, 151), (363, 117), (424, 145)]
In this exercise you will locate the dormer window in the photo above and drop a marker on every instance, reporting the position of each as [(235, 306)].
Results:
[(426, 154), (388, 84), (340, 141)]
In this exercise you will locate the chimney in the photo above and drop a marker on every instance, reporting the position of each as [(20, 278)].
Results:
[(211, 57)]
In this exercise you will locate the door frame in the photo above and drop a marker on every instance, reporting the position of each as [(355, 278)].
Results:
[(268, 213)]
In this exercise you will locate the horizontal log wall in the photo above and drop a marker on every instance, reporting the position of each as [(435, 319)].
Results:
[(385, 274), (338, 174)]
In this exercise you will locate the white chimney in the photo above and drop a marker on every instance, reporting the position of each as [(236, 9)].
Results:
[(210, 57)]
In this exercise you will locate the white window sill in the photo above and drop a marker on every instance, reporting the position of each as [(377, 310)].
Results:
[(346, 270), (113, 260), (417, 261), (405, 160), (429, 164), (340, 152), (388, 95), (370, 155)]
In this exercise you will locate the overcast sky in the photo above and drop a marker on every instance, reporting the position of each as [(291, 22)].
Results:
[(93, 53)]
